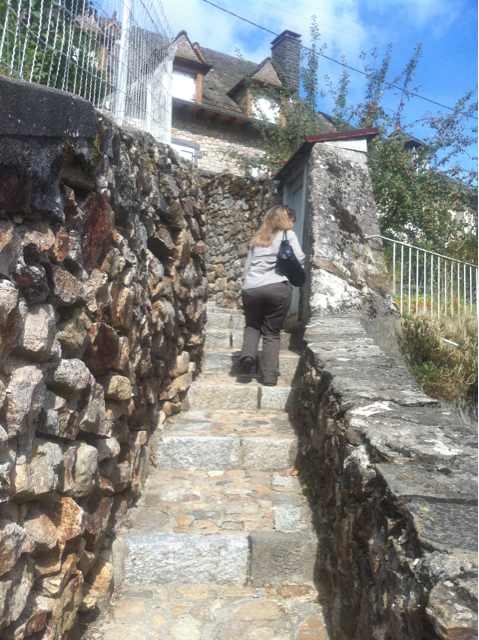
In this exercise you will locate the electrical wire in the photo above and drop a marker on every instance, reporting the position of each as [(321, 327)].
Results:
[(390, 85)]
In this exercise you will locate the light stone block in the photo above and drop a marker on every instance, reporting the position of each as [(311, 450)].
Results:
[(278, 557), (275, 398), (214, 396), (205, 452), (155, 558), (268, 454)]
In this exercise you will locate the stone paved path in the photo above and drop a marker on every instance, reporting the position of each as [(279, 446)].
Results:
[(220, 545)]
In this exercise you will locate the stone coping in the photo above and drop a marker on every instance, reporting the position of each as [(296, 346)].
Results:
[(425, 456), (28, 109)]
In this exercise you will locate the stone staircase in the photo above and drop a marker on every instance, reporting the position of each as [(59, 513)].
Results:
[(220, 546)]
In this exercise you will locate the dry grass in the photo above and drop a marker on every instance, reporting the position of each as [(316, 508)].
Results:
[(444, 370)]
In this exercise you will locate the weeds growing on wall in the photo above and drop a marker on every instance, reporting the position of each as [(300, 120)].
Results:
[(442, 353)]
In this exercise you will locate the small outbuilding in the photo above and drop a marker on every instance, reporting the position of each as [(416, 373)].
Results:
[(327, 183)]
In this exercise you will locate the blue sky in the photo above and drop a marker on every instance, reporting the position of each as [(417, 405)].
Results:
[(446, 28)]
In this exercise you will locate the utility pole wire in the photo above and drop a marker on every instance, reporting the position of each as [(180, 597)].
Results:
[(390, 85)]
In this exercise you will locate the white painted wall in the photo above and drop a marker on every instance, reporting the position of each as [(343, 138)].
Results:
[(359, 144)]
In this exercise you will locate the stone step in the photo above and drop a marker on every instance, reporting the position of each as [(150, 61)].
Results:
[(182, 451), (224, 320), (261, 441), (227, 361), (260, 558), (231, 422), (213, 612), (212, 307), (285, 379), (233, 339), (219, 501), (215, 392), (153, 557)]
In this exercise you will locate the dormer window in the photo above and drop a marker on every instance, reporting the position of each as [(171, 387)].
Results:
[(189, 69), (265, 109), (184, 85), (258, 93)]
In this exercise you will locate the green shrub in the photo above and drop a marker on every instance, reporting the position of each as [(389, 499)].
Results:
[(445, 370)]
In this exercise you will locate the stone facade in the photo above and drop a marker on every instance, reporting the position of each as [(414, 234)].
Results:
[(234, 209), (221, 148), (390, 474), (102, 308)]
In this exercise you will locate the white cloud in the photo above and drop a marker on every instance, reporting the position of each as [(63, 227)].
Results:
[(438, 14), (340, 24), (205, 24)]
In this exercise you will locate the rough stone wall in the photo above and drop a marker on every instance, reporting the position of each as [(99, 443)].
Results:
[(221, 145), (391, 475), (102, 299), (345, 266), (234, 208), (391, 479)]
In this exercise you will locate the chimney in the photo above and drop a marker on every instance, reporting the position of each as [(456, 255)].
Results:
[(286, 53)]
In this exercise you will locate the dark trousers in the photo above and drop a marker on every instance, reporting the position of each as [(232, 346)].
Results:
[(265, 309)]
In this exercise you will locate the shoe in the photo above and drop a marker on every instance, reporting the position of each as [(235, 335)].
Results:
[(270, 384), (247, 365)]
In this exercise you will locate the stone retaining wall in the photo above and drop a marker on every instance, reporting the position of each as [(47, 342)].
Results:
[(102, 308), (392, 484), (234, 208), (391, 476)]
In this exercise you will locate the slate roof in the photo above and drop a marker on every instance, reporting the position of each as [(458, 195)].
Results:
[(225, 73)]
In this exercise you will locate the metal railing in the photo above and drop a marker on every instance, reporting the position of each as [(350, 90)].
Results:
[(115, 53), (428, 282)]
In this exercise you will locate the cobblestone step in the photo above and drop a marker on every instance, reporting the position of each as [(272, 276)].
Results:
[(233, 339), (225, 320), (221, 392), (231, 527), (214, 308), (228, 439), (259, 558), (214, 612), (231, 422), (236, 500), (227, 361)]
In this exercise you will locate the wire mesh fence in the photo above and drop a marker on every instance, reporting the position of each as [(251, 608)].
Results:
[(115, 53), (430, 283)]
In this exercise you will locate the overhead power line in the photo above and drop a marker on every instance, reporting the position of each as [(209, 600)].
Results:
[(390, 85)]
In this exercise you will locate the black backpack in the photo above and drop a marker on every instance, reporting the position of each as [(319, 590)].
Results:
[(287, 264)]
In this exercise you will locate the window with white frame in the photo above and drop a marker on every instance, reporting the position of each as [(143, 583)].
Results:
[(186, 150), (184, 85)]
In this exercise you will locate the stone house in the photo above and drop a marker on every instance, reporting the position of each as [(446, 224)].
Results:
[(217, 98)]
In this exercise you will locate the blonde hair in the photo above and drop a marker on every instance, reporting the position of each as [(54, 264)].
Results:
[(278, 218)]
